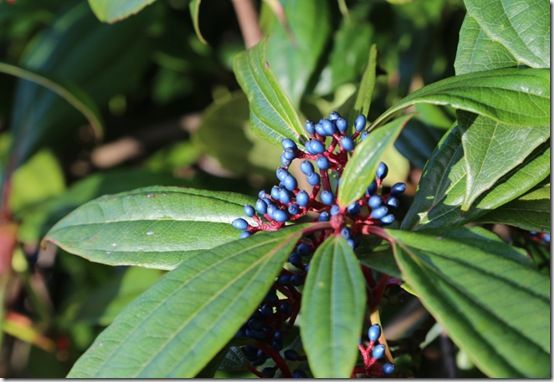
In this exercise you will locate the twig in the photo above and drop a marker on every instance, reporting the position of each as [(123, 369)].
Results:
[(248, 21)]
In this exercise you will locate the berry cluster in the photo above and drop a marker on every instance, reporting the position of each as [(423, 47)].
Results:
[(372, 352), (540, 237), (323, 160)]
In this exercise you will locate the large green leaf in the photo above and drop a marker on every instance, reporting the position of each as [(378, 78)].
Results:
[(185, 319), (494, 305), (360, 169), (518, 97), (521, 27), (530, 212), (153, 227), (477, 51), (332, 313), (271, 111), (442, 187), (484, 141), (296, 42), (110, 11)]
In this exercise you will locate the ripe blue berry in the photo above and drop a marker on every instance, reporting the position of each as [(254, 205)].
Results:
[(319, 129), (382, 171), (313, 179), (303, 249), (387, 219), (374, 332), (378, 351), (388, 368), (284, 279), (398, 188), (288, 144), (271, 209), (293, 209), (295, 260), (328, 127), (284, 161), (347, 143), (353, 209), (244, 234), (275, 192), (249, 210), (351, 243), (306, 167), (393, 202), (299, 374), (335, 210), (315, 147), (284, 196), (359, 123), (345, 232), (372, 188), (240, 223), (291, 355), (290, 182), (378, 213), (341, 124), (302, 198), (334, 116), (261, 207), (281, 173), (327, 197), (279, 216), (375, 201), (310, 128), (289, 154), (322, 163), (296, 279), (324, 216)]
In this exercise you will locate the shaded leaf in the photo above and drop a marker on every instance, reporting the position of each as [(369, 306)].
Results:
[(332, 312), (110, 11), (365, 91), (194, 8), (177, 326)]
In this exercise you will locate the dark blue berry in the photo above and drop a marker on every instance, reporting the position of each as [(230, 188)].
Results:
[(359, 123), (275, 192), (290, 183), (293, 209), (284, 307), (347, 143), (353, 209), (327, 197), (393, 202), (374, 332), (302, 198), (299, 374), (375, 201), (261, 207), (324, 216), (240, 223), (296, 279), (306, 167), (372, 188), (319, 129), (245, 234), (295, 259), (310, 128), (382, 171), (249, 210), (281, 174), (335, 210), (313, 179), (255, 324), (271, 209), (378, 351), (303, 249), (277, 344), (388, 219), (291, 355), (266, 310), (256, 334), (345, 232), (268, 372), (328, 127), (378, 213), (398, 188), (341, 124), (284, 196), (315, 147), (322, 163), (388, 368), (284, 279), (284, 161), (280, 216), (271, 297), (277, 335), (262, 194), (288, 144), (289, 154), (334, 116)]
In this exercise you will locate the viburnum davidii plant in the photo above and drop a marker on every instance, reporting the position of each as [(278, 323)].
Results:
[(301, 279)]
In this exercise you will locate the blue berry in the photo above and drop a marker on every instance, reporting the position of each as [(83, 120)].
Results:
[(359, 123), (393, 202), (244, 234), (364, 135), (303, 249), (546, 237), (328, 127), (378, 213), (240, 223), (295, 259), (289, 154), (284, 161), (334, 116), (288, 144), (345, 232), (387, 219), (262, 193), (284, 307), (284, 279), (388, 368), (375, 201), (374, 332), (313, 179), (353, 209), (249, 210), (291, 355), (275, 192), (351, 243), (372, 188), (266, 310), (315, 147), (280, 216), (284, 196), (271, 209), (341, 124), (293, 209), (335, 210), (310, 128), (327, 197), (290, 183), (319, 129), (382, 171), (268, 372), (347, 143), (299, 374), (302, 198), (322, 163), (398, 188), (324, 216), (261, 207), (378, 351), (306, 167)]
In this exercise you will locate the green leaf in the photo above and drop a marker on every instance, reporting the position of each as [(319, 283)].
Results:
[(478, 52), (110, 11), (69, 92), (380, 259), (152, 227), (417, 142), (530, 212), (522, 28), (185, 319), (194, 8), (484, 294), (513, 96), (367, 86), (332, 312), (360, 169), (271, 111), (296, 43), (484, 141)]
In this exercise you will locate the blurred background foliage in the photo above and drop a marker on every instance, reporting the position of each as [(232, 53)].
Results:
[(173, 114)]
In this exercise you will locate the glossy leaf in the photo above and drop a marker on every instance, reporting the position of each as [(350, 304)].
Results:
[(530, 212), (485, 141), (177, 326), (332, 312), (360, 169), (153, 227), (365, 91), (271, 111), (517, 97), (296, 42), (194, 7), (521, 27), (483, 293), (417, 142), (110, 11)]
